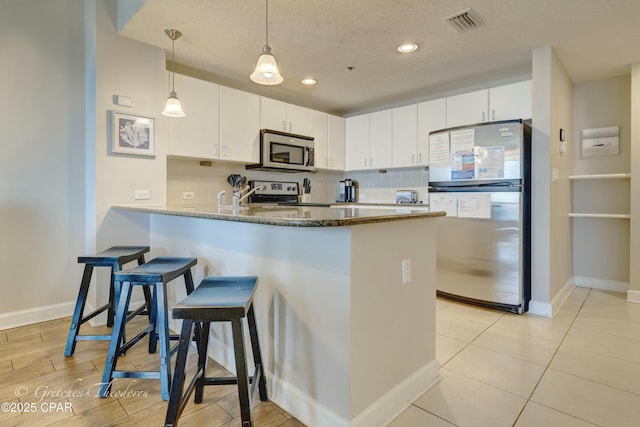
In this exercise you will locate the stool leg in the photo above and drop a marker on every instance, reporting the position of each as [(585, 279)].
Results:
[(163, 338), (203, 344), (148, 301), (257, 357), (116, 336), (112, 295), (153, 321), (79, 310), (177, 387), (188, 281), (241, 372)]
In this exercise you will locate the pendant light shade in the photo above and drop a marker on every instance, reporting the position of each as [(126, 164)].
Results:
[(173, 108), (266, 72)]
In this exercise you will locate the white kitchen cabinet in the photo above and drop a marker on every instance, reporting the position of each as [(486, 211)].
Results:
[(405, 136), (432, 116), (380, 137), (506, 102), (337, 135), (512, 101), (357, 143), (278, 115), (467, 108), (239, 126), (196, 134), (319, 130)]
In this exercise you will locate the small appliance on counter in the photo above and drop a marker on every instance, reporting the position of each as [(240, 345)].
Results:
[(406, 197), (347, 191)]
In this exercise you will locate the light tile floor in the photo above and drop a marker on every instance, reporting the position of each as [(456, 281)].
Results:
[(581, 368)]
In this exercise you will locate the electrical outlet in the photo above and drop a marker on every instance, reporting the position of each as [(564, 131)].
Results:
[(406, 271), (188, 195), (142, 194)]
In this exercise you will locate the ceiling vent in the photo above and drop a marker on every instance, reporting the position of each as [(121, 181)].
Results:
[(464, 21)]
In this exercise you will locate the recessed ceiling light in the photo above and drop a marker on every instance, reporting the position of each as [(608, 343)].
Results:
[(309, 81), (407, 47)]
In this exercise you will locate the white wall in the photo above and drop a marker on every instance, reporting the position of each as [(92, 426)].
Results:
[(42, 201), (601, 246), (634, 251), (551, 236)]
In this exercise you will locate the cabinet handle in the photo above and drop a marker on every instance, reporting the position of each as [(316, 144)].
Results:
[(215, 150), (420, 158), (493, 115), (284, 126), (365, 162), (224, 151), (483, 116), (370, 162), (290, 127)]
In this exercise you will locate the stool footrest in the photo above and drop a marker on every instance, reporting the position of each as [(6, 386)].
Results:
[(136, 374), (93, 337)]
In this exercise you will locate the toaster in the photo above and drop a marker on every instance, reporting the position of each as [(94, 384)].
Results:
[(406, 196)]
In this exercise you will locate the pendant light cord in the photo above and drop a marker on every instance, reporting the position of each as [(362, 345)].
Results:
[(173, 63), (266, 25)]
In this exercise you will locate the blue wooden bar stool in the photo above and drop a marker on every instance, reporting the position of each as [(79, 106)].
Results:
[(156, 273), (114, 257), (217, 299)]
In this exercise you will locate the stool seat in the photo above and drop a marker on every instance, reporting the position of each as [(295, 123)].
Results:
[(114, 257), (160, 269), (217, 299), (120, 254), (156, 274)]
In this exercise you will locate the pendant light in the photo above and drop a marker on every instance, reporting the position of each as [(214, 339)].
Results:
[(173, 107), (266, 72)]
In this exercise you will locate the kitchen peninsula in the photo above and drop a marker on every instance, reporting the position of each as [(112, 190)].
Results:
[(345, 303)]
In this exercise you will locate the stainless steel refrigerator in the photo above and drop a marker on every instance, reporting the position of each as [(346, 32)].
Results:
[(481, 176)]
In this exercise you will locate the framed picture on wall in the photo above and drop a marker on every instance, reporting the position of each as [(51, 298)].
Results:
[(132, 134)]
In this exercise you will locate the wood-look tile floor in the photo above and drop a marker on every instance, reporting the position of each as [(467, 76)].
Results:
[(39, 386)]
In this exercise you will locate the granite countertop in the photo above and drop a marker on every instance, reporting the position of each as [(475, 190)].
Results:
[(292, 216)]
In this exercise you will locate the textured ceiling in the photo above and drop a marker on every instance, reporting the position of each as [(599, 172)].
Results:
[(222, 40)]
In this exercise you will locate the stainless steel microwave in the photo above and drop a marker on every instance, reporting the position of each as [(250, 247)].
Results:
[(285, 152)]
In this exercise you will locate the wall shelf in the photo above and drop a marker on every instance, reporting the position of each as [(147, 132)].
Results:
[(602, 176), (599, 215)]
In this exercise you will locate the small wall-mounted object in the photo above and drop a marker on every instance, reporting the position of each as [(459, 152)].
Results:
[(601, 141), (124, 101)]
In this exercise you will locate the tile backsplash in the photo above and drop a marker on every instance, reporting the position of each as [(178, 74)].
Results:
[(188, 176)]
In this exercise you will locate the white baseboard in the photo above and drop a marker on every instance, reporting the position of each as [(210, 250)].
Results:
[(602, 284), (380, 413), (550, 309), (633, 296), (301, 405), (394, 402), (30, 316)]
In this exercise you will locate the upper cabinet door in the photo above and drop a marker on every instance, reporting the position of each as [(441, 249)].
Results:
[(357, 142), (405, 136), (337, 147), (512, 101), (273, 114), (431, 116), (380, 139), (297, 120), (467, 108), (239, 126), (196, 134), (278, 115)]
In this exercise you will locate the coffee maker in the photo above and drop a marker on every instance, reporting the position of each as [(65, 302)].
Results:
[(347, 191)]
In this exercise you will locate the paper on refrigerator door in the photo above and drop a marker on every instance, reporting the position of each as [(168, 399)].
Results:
[(489, 162), (439, 149), (443, 202), (474, 205), (462, 154)]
